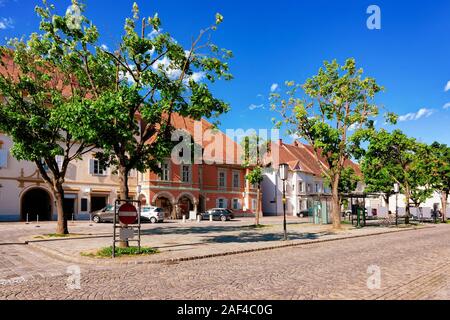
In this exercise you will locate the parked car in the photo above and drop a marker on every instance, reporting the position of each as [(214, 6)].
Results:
[(303, 214), (218, 214), (103, 215), (149, 213), (232, 215), (152, 214)]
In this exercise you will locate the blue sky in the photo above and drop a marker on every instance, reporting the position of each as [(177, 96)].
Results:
[(275, 41)]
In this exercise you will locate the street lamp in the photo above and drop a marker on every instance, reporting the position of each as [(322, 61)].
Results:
[(396, 191), (284, 172)]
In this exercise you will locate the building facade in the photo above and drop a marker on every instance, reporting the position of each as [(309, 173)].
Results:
[(306, 190), (24, 194), (217, 181), (180, 189)]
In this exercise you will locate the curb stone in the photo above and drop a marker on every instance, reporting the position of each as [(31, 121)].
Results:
[(89, 261)]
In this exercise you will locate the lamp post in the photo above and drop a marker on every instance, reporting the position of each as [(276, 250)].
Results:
[(284, 171), (397, 191)]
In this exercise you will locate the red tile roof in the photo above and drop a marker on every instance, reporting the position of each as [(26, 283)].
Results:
[(301, 157)]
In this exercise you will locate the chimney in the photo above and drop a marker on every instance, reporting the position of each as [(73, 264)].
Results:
[(280, 142), (296, 143)]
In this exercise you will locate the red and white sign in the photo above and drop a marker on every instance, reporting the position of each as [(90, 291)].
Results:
[(128, 213)]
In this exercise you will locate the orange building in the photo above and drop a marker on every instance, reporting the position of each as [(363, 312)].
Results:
[(217, 180)]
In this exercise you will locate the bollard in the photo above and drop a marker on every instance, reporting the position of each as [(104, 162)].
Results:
[(184, 218), (199, 218), (210, 218), (28, 222), (37, 221)]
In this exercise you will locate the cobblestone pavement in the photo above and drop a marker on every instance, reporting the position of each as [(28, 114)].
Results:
[(412, 265)]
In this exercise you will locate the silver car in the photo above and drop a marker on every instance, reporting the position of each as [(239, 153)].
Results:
[(152, 214)]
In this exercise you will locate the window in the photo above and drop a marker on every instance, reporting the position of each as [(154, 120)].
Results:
[(165, 172), (84, 205), (222, 203), (222, 179), (301, 187), (3, 157), (186, 173), (60, 161), (96, 169), (236, 204), (236, 180), (318, 188), (309, 188), (254, 204)]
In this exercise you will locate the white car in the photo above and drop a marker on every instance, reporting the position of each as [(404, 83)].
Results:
[(152, 214)]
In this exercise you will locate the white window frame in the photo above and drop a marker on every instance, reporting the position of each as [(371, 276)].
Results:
[(254, 204), (224, 179), (238, 180), (225, 203), (3, 158), (301, 187), (162, 176), (234, 202), (94, 165), (189, 172)]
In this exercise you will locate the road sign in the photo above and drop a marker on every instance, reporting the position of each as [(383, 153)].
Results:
[(128, 214)]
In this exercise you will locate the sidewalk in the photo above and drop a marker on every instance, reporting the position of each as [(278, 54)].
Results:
[(181, 242)]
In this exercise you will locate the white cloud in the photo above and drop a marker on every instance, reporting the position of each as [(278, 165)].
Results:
[(422, 113), (6, 23), (353, 127), (447, 106), (274, 87), (447, 87), (256, 106), (104, 47)]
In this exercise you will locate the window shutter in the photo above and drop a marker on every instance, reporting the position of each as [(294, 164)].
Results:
[(3, 158), (91, 166)]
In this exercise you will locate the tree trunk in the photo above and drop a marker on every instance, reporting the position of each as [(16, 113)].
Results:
[(336, 208), (124, 194), (61, 227), (387, 197), (258, 206), (123, 182), (407, 200), (444, 199)]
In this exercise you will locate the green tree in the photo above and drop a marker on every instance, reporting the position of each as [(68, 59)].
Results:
[(405, 161), (42, 79), (154, 77), (377, 176), (255, 150), (348, 182), (440, 173), (334, 114)]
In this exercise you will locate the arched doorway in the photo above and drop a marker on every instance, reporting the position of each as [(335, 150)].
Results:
[(165, 204), (201, 204), (185, 204), (36, 202)]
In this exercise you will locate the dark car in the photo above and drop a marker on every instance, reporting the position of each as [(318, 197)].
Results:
[(303, 214), (218, 214)]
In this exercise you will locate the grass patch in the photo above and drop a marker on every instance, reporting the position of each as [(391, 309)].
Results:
[(121, 252)]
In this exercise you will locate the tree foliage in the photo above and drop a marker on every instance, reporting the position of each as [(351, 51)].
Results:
[(333, 116), (151, 77), (44, 77)]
